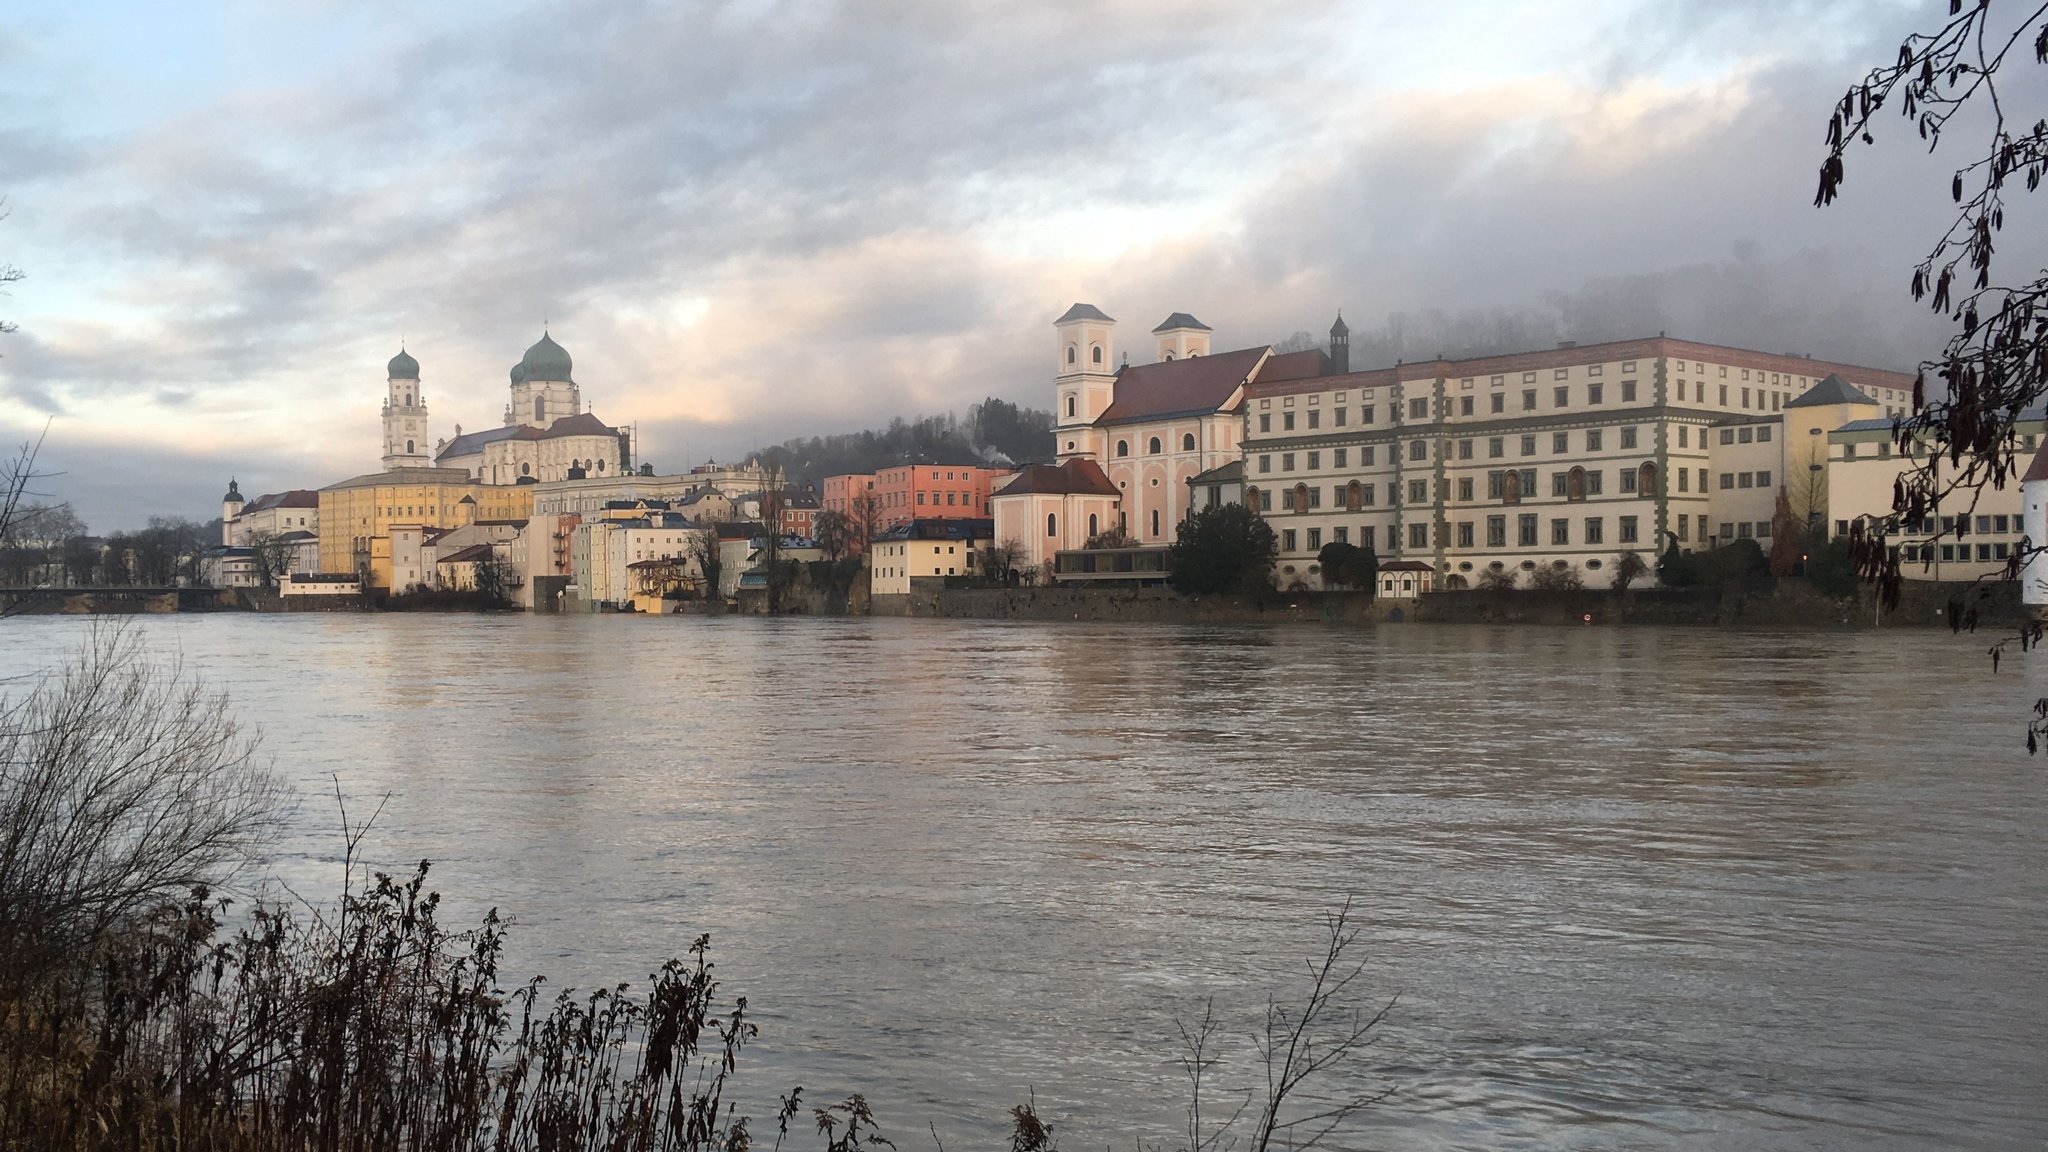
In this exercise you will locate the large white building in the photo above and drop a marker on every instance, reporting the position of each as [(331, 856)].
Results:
[(547, 432)]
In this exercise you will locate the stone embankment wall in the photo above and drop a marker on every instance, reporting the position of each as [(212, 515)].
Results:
[(107, 601), (1789, 604)]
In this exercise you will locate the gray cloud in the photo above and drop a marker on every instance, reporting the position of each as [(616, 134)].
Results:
[(756, 221)]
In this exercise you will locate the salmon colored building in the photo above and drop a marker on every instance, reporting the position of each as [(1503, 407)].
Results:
[(935, 492)]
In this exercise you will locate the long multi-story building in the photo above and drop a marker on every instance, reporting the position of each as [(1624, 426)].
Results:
[(1563, 457)]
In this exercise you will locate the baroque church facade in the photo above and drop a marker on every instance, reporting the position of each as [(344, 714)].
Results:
[(547, 433)]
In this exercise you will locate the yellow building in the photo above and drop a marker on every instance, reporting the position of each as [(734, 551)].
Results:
[(357, 515), (1969, 537)]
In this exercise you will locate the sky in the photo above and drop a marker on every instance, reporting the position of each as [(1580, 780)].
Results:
[(760, 219)]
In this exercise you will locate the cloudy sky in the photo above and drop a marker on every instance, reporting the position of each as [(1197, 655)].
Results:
[(758, 219)]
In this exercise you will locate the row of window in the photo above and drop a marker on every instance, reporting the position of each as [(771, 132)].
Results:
[(1418, 450), (1747, 433), (1509, 486), (1152, 446), (1985, 553), (1759, 479), (1592, 532), (1983, 525)]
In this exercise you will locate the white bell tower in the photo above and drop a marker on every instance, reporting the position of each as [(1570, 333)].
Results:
[(405, 415), (1086, 383)]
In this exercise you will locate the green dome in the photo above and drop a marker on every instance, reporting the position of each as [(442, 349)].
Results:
[(546, 360), (402, 367)]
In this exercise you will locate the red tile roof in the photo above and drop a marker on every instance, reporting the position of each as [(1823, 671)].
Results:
[(1181, 387), (581, 424), (1076, 477)]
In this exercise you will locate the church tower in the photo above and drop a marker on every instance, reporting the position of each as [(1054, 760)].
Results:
[(1180, 336), (230, 509), (405, 415), (543, 389), (1086, 383), (1340, 346)]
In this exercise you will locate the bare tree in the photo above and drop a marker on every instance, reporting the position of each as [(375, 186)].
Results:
[(273, 556), (999, 559), (123, 782), (1628, 568), (9, 274), (1297, 1044), (710, 563), (866, 519), (1962, 434)]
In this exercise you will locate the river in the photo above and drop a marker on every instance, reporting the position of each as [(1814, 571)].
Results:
[(1633, 888)]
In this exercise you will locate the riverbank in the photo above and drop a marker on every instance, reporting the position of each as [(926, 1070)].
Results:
[(1783, 604)]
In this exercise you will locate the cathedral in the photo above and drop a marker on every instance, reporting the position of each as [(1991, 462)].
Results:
[(546, 435)]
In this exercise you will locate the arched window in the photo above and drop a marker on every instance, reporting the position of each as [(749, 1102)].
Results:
[(526, 469), (1511, 488), (1301, 497), (1070, 407), (1187, 441), (1095, 353), (1168, 356), (1123, 447), (408, 399), (1154, 449), (1251, 497), (1354, 496), (1155, 521), (1092, 530), (1575, 485), (1646, 479), (1070, 353), (540, 409), (408, 447), (600, 465), (1052, 524)]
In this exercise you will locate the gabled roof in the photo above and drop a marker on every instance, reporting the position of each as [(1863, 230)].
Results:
[(1831, 390), (1194, 386), (472, 442), (1076, 477), (1221, 474), (296, 498), (581, 424), (472, 553), (1406, 566), (1304, 365), (1181, 320), (1084, 312)]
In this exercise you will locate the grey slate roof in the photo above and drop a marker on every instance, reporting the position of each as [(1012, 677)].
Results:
[(1181, 320), (470, 442), (1831, 390), (1084, 312)]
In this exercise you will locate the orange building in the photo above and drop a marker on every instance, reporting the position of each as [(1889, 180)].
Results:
[(935, 492), (838, 493)]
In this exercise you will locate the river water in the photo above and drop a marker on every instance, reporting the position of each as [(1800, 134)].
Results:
[(1633, 888)]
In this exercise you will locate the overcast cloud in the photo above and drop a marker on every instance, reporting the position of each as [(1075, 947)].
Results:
[(753, 220)]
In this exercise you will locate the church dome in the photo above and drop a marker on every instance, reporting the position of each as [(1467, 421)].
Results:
[(546, 360), (234, 495), (402, 367)]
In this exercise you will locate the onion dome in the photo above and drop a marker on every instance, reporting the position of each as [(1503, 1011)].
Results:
[(546, 360), (234, 495), (402, 367)]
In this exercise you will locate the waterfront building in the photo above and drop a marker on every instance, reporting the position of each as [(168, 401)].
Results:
[(357, 514), (589, 495), (1048, 508), (547, 432), (1562, 457), (1973, 535), (922, 553), (1152, 428)]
